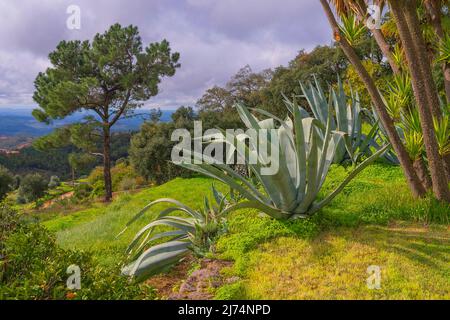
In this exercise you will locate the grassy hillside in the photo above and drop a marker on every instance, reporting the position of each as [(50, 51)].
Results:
[(96, 228), (323, 257)]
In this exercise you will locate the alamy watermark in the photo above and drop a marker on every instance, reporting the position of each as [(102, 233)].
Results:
[(374, 279), (73, 22), (74, 280), (374, 19)]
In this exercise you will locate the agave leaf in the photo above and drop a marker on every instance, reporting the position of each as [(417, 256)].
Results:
[(156, 259), (215, 173), (179, 235), (347, 180), (166, 200), (301, 154)]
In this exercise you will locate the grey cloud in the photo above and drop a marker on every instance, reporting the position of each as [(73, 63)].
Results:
[(215, 38)]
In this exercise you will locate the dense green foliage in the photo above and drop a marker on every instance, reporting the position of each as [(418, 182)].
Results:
[(151, 147), (6, 180), (32, 187), (33, 266)]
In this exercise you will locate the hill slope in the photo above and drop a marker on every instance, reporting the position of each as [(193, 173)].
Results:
[(324, 257)]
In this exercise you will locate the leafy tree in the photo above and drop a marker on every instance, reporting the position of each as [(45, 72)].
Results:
[(151, 147), (184, 117), (33, 187), (110, 76), (81, 162), (6, 180)]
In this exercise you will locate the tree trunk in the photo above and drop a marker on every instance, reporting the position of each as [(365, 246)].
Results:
[(422, 172), (413, 50), (379, 37), (434, 14), (386, 50), (422, 58), (107, 162), (403, 156)]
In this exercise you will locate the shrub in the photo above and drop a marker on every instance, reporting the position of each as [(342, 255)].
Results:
[(33, 187), (127, 184), (82, 191), (32, 266), (120, 172), (6, 180)]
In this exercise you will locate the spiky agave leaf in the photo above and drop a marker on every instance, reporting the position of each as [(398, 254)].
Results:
[(186, 233), (347, 117)]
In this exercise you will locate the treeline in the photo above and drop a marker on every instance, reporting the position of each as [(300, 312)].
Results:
[(56, 162)]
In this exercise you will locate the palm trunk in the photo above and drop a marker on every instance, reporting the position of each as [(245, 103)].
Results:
[(403, 156), (422, 172), (379, 38), (414, 54), (386, 50), (435, 20), (423, 59), (107, 162)]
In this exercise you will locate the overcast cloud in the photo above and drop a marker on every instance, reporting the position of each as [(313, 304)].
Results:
[(214, 37)]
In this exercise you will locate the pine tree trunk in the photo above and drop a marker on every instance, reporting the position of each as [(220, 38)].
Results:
[(413, 51), (107, 162), (413, 181)]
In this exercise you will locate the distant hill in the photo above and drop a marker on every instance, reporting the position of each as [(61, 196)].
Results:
[(20, 122)]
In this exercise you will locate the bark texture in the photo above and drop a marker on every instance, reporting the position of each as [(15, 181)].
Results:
[(403, 156), (405, 16)]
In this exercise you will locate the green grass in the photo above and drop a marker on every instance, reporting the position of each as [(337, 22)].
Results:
[(326, 257), (96, 229), (322, 257), (413, 260)]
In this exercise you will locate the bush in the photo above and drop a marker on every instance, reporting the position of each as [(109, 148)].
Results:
[(33, 187), (6, 180), (123, 178), (32, 266), (82, 191), (127, 184)]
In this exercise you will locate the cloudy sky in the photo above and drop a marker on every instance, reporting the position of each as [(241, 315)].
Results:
[(214, 37)]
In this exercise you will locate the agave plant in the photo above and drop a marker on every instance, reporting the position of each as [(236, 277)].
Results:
[(346, 117), (306, 150), (193, 233)]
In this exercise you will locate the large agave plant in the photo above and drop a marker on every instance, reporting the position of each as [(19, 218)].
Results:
[(345, 117), (306, 150), (194, 231)]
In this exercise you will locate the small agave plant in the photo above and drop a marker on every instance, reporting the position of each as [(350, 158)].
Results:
[(152, 252), (346, 117), (306, 151)]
